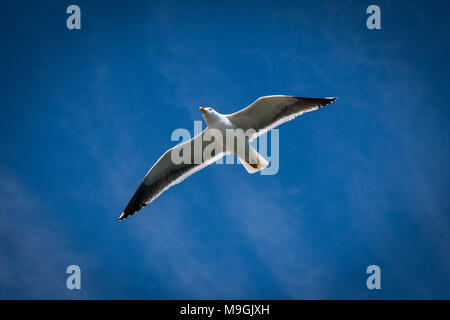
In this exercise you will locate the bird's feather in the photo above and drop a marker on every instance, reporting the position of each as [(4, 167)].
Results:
[(165, 173), (269, 112)]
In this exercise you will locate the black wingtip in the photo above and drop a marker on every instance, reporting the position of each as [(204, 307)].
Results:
[(326, 101)]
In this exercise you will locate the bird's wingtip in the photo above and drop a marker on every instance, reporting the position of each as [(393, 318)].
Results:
[(326, 101), (122, 216)]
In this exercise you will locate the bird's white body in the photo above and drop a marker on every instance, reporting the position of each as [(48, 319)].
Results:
[(235, 140), (217, 121)]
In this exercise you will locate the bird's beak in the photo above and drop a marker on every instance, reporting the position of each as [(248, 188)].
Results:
[(202, 109)]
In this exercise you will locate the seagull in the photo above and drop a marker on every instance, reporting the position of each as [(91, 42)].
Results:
[(261, 116)]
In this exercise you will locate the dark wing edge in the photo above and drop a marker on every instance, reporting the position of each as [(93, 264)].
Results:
[(281, 110), (147, 192), (163, 175)]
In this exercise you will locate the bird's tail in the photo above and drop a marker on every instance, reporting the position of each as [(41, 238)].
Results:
[(253, 162)]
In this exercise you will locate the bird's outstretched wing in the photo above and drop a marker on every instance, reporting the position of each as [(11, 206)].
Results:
[(165, 173), (268, 112)]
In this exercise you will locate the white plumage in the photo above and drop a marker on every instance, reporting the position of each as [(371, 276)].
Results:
[(261, 116)]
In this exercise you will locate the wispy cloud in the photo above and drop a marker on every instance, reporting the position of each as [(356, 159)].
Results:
[(35, 253)]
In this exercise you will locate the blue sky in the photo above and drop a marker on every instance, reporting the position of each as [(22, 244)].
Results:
[(84, 114)]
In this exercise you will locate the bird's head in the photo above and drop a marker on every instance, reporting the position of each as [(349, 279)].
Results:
[(206, 110), (209, 114)]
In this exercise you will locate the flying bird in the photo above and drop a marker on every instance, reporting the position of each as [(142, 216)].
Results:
[(261, 116)]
